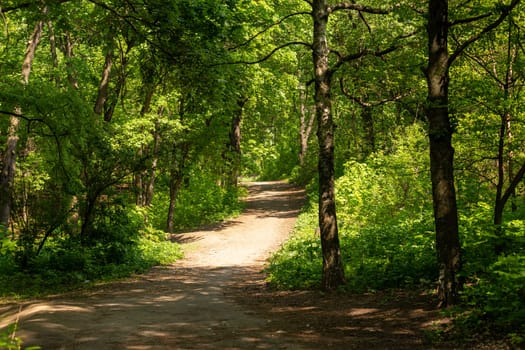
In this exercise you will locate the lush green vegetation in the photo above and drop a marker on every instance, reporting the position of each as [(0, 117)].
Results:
[(124, 242), (387, 240), (124, 122)]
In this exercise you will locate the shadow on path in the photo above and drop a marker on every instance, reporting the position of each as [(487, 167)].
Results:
[(217, 298)]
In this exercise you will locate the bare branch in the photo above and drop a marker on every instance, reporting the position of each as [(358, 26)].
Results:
[(269, 27)]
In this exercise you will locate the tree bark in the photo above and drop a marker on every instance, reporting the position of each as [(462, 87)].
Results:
[(440, 133), (333, 271)]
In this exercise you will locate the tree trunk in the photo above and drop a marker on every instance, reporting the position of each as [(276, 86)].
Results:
[(109, 106), (333, 271), (505, 133), (7, 177), (442, 155), (139, 177), (8, 172), (235, 144), (104, 84), (499, 204), (176, 178), (306, 125)]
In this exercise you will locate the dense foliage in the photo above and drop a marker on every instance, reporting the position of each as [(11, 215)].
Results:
[(124, 122)]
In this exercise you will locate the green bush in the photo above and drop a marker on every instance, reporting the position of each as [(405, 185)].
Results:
[(201, 202), (385, 220)]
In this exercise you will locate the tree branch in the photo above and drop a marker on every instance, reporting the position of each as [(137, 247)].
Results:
[(504, 13), (363, 53), (268, 28), (268, 55), (468, 20), (513, 184), (25, 5)]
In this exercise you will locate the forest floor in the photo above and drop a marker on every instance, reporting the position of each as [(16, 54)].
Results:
[(217, 298)]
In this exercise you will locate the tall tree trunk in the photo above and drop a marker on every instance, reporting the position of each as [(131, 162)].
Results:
[(442, 155), (333, 271), (7, 177), (8, 172)]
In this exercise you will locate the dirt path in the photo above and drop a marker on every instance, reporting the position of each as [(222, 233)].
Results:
[(216, 298)]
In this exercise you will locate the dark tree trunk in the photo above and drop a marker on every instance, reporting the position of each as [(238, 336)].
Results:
[(333, 271), (442, 154), (8, 172)]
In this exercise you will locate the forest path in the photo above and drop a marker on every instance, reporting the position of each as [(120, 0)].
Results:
[(216, 298), (183, 306)]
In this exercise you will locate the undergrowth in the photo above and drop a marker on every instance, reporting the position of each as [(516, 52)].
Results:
[(387, 240)]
